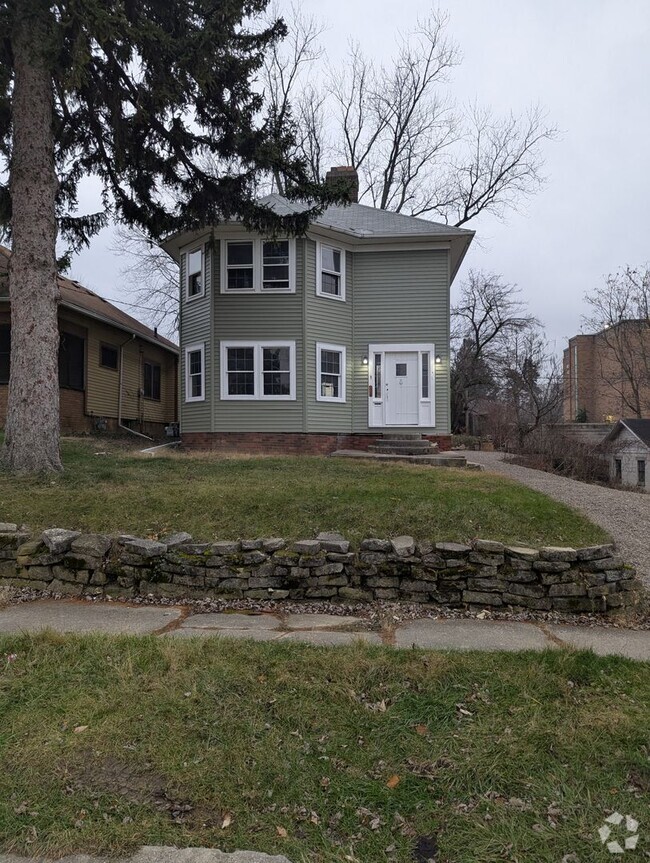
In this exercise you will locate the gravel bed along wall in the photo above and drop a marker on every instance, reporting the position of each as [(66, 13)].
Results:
[(483, 574)]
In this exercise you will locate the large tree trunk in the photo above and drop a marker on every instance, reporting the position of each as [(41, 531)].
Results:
[(32, 429)]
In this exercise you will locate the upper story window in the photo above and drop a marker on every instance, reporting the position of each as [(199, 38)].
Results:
[(258, 370), (258, 266), (330, 275), (108, 355), (195, 274), (71, 361), (5, 351), (330, 377), (239, 266), (151, 383), (275, 265), (195, 373)]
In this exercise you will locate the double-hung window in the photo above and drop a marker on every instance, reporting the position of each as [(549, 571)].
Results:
[(330, 276), (330, 373), (640, 472), (240, 274), (195, 373), (194, 264), (275, 265), (258, 370), (72, 350), (151, 383), (258, 266), (108, 356)]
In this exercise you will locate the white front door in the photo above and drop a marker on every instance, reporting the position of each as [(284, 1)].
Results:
[(401, 395)]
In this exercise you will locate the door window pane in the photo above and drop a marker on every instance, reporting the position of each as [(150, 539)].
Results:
[(425, 375), (400, 370), (378, 392)]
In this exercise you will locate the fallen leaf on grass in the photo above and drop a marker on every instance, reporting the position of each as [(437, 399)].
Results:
[(227, 821), (281, 832), (80, 728), (393, 782), (422, 730)]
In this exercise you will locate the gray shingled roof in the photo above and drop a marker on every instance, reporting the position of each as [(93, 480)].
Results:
[(362, 221), (640, 428)]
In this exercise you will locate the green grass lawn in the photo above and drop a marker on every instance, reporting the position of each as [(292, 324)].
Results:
[(290, 497), (322, 754)]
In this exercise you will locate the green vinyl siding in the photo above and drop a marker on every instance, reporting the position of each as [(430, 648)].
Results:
[(258, 317), (327, 321), (401, 297), (195, 329)]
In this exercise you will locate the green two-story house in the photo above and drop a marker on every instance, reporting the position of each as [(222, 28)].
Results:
[(316, 343)]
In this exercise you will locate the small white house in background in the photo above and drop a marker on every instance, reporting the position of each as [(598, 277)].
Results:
[(628, 448)]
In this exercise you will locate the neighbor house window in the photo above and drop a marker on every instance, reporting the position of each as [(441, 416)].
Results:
[(239, 266), (108, 356), (258, 370), (71, 361), (618, 469), (330, 278), (195, 373), (151, 386), (5, 351), (258, 266), (640, 472), (195, 273), (275, 265), (330, 375)]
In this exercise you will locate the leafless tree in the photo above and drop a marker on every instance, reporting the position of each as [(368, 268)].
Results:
[(530, 382), (150, 277), (488, 314), (620, 314)]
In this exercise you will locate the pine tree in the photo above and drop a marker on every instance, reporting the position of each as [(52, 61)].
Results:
[(148, 96)]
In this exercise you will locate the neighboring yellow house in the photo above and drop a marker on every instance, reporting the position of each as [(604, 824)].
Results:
[(113, 370)]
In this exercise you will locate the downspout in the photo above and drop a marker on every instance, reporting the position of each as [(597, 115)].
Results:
[(119, 393)]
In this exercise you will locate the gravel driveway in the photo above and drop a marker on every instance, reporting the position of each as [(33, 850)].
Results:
[(625, 515)]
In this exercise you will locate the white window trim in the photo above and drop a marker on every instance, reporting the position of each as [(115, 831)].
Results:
[(258, 369), (190, 251), (199, 346), (322, 346), (319, 271), (258, 266)]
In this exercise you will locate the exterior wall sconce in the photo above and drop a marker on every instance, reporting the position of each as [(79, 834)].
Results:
[(365, 361), (438, 359)]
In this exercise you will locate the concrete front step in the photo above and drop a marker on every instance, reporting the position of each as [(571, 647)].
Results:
[(437, 460), (402, 448), (399, 436)]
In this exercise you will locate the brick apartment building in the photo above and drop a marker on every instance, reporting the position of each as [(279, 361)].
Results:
[(607, 374)]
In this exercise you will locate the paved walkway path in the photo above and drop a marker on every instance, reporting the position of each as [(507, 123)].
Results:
[(160, 854), (319, 629), (625, 515)]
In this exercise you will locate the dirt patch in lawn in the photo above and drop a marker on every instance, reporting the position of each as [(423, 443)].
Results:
[(139, 785)]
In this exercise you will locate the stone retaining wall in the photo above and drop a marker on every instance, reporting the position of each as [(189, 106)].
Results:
[(484, 574)]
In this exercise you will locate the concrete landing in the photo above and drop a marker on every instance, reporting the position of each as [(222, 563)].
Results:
[(439, 460)]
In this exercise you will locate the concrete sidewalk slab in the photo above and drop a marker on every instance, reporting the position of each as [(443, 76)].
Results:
[(471, 635), (160, 854), (320, 621), (231, 621), (63, 615), (322, 638), (605, 641), (202, 632)]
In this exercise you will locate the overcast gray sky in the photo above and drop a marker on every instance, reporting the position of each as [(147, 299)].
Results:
[(587, 62)]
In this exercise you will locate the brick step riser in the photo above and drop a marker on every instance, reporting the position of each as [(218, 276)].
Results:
[(402, 450)]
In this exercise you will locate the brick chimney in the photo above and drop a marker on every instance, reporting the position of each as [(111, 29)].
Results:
[(346, 179)]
